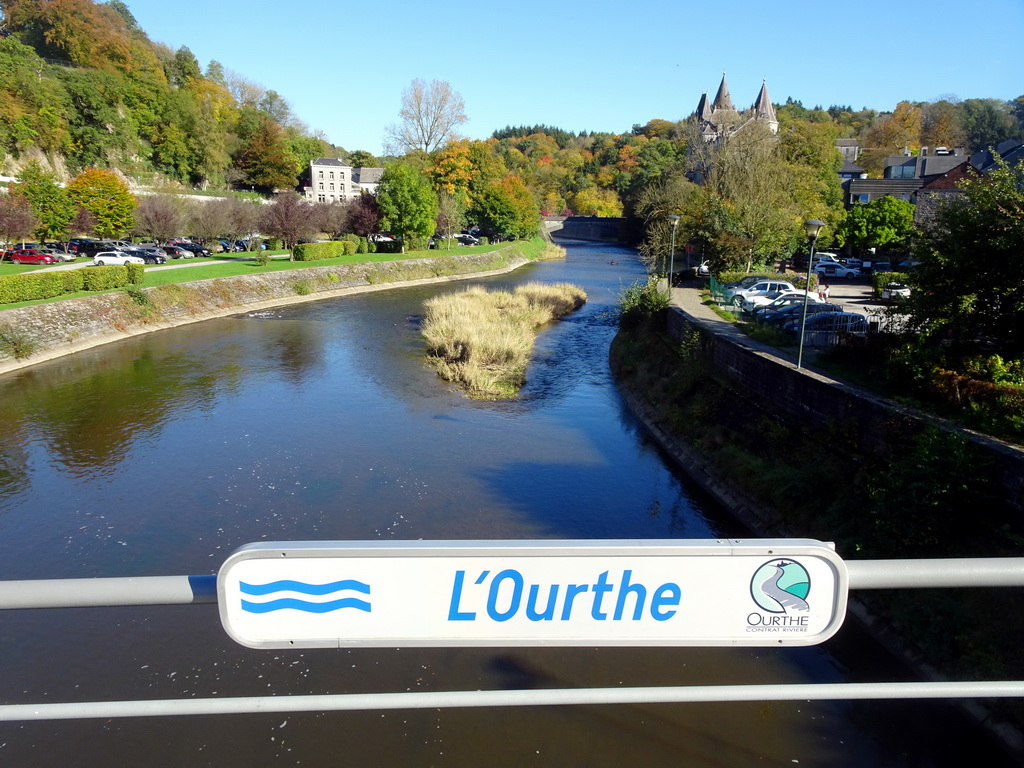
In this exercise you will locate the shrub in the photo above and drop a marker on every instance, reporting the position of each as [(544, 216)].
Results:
[(262, 258), (274, 243), (136, 273), (363, 246), (15, 343), (350, 247), (639, 303), (485, 241)]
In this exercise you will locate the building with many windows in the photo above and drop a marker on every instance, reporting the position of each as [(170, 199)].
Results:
[(332, 181)]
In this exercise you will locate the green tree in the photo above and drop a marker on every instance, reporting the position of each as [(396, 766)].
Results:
[(969, 286), (408, 205), (52, 206), (988, 122), (104, 194), (886, 223), (507, 209)]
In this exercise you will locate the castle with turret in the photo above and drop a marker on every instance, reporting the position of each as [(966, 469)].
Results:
[(720, 119)]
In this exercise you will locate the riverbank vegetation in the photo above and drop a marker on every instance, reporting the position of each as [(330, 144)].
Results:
[(483, 339), (933, 497)]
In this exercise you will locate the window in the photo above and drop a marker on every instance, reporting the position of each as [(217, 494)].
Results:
[(902, 172), (332, 187), (862, 198), (321, 199), (332, 175), (321, 186), (321, 174)]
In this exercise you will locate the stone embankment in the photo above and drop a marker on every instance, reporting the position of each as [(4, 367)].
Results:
[(59, 328), (814, 400)]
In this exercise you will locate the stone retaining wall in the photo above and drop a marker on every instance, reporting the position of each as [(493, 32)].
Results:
[(817, 402), (58, 328)]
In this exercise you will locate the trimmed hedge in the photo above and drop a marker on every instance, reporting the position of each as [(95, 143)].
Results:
[(317, 251), (47, 285)]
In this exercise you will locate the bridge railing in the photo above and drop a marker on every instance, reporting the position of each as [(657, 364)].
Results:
[(192, 590)]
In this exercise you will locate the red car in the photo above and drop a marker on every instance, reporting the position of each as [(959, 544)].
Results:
[(30, 256)]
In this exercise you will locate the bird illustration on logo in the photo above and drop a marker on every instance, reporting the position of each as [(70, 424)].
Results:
[(781, 586)]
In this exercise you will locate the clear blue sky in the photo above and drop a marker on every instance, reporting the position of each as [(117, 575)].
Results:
[(597, 66)]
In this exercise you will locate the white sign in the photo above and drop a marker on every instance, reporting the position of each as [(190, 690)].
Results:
[(559, 593)]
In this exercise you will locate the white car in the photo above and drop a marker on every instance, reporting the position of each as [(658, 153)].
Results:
[(105, 258), (828, 269), (895, 292), (735, 296), (751, 303)]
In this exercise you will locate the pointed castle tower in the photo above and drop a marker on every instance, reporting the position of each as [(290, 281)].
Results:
[(720, 118)]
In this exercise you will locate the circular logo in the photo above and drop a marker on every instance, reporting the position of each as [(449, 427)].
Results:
[(781, 586)]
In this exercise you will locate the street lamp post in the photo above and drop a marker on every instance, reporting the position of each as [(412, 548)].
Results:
[(674, 220), (812, 227)]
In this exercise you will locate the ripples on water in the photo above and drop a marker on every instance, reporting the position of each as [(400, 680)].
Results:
[(160, 455)]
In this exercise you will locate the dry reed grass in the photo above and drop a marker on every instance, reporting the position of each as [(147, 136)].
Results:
[(483, 340)]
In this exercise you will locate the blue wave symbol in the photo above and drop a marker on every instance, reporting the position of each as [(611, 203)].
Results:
[(307, 606), (303, 587)]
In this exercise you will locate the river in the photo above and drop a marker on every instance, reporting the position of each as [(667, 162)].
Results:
[(161, 454)]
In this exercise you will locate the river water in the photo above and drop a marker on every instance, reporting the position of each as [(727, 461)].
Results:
[(161, 454)]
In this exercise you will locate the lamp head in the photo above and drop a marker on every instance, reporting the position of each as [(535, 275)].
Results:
[(673, 220), (813, 227)]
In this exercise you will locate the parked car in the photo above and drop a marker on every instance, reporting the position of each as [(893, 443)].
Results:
[(735, 296), (30, 256), (782, 316), (830, 269), (831, 322), (106, 258), (177, 252), (750, 303), (148, 255), (75, 243), (193, 249), (824, 257), (895, 292), (465, 239), (702, 270), (784, 300)]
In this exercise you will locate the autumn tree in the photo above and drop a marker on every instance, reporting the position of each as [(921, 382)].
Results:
[(430, 115), (264, 160), (160, 217), (942, 125), (104, 194), (363, 216), (289, 218), (332, 218), (17, 220), (408, 205)]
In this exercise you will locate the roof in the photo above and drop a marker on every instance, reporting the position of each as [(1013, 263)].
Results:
[(329, 161), (849, 167), (847, 143), (722, 98), (368, 175), (763, 104)]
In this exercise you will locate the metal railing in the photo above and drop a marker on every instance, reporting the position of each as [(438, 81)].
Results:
[(192, 590)]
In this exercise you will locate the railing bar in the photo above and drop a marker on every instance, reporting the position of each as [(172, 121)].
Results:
[(950, 572), (524, 698), (191, 590)]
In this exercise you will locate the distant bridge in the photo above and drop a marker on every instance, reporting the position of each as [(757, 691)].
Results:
[(605, 229)]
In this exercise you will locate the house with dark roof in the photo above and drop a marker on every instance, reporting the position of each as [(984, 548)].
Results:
[(333, 181)]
